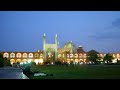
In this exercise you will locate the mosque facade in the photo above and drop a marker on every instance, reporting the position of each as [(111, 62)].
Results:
[(52, 52)]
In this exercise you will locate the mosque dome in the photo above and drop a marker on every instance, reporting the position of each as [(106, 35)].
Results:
[(70, 46)]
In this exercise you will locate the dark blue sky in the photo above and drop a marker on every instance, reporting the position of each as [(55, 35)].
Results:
[(23, 30)]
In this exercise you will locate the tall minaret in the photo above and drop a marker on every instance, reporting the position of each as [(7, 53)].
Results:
[(44, 44), (56, 49)]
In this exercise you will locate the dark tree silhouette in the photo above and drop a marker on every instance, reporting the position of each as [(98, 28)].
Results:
[(92, 56), (4, 61), (108, 58)]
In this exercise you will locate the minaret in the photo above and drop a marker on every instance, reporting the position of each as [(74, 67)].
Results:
[(56, 48), (44, 44)]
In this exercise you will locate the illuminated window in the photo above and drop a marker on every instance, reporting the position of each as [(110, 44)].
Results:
[(101, 55), (71, 55), (36, 61), (80, 55), (59, 55), (36, 55), (18, 55), (67, 55), (84, 55), (30, 55), (12, 55), (41, 61), (63, 55), (113, 55), (76, 55), (118, 55), (6, 55), (24, 55), (41, 55)]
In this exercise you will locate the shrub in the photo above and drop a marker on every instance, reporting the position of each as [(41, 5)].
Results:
[(47, 62), (58, 63)]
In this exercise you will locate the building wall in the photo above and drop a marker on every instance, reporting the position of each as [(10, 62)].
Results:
[(15, 57), (39, 56)]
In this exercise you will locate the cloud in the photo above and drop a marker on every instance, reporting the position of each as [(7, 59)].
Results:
[(111, 32), (107, 35)]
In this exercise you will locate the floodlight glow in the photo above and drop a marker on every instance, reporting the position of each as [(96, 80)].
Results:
[(41, 60), (21, 63), (114, 61), (51, 62), (36, 61), (11, 62), (24, 60), (29, 61)]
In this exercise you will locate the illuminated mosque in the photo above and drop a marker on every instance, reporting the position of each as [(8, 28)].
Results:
[(53, 52)]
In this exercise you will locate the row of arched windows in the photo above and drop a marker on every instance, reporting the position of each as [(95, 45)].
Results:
[(19, 55)]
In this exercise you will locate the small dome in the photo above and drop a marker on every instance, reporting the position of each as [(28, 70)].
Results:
[(80, 46)]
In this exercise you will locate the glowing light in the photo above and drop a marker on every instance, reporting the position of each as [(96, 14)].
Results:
[(18, 60), (24, 62), (36, 61), (11, 62), (6, 55), (114, 61), (41, 60), (18, 55), (51, 62), (118, 55), (21, 63), (24, 55), (29, 61)]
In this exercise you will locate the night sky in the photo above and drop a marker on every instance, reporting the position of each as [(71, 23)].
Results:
[(23, 30)]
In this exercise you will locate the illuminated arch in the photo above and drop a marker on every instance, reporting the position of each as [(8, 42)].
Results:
[(41, 55), (18, 60), (12, 55), (40, 61), (30, 55), (36, 55), (24, 55), (6, 55), (12, 61), (59, 55), (18, 55), (117, 55)]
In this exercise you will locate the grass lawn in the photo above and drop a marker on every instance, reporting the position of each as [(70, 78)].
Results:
[(79, 72)]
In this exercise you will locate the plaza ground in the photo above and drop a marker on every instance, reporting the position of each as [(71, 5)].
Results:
[(12, 73), (78, 72)]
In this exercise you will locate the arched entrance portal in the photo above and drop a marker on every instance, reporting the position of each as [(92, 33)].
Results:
[(50, 55)]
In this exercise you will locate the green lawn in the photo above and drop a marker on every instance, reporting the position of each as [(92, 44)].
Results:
[(79, 72)]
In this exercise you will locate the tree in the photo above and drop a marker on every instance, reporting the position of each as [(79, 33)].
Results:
[(92, 56), (1, 60), (4, 61), (108, 58)]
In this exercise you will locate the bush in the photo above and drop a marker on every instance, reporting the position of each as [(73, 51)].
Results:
[(58, 63), (1, 63), (47, 62), (4, 61), (33, 64)]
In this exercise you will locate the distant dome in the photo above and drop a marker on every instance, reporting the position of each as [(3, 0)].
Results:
[(71, 46), (80, 46)]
